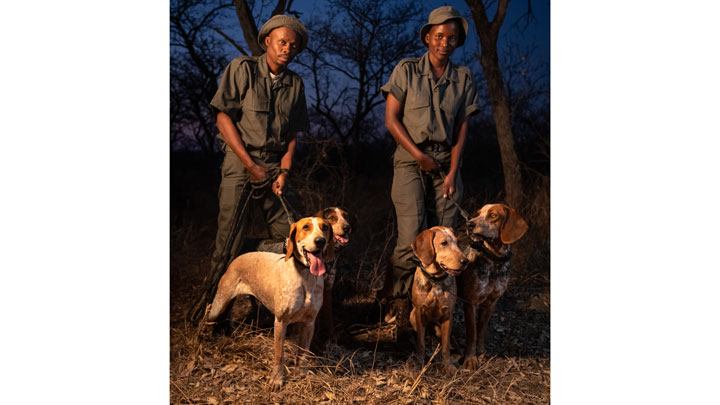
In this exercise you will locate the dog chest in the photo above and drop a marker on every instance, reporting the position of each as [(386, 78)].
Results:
[(485, 281), (302, 298), (435, 300)]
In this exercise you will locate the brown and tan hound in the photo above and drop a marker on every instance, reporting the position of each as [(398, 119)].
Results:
[(485, 280), (434, 290), (290, 285), (342, 227)]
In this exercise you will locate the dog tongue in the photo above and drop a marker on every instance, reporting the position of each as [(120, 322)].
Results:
[(317, 266), (342, 239)]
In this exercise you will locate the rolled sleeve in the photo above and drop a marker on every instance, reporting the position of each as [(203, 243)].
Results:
[(231, 91), (398, 83), (472, 104)]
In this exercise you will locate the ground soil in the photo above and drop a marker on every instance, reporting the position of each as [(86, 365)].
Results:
[(363, 362)]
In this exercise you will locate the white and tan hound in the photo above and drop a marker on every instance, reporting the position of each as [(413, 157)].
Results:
[(434, 291), (342, 226), (492, 232), (290, 285)]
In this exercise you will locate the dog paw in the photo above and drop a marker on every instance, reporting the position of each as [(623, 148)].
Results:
[(276, 382), (470, 363)]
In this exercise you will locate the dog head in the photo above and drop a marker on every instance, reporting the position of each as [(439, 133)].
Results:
[(311, 243), (497, 222), (342, 223), (438, 251)]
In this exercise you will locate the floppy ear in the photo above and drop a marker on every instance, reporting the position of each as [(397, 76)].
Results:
[(291, 242), (514, 227), (423, 248)]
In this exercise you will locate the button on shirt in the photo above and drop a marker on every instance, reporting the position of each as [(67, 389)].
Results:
[(430, 108), (264, 111)]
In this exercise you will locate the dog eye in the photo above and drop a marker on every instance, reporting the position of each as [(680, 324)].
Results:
[(306, 228), (324, 228), (444, 243), (492, 215)]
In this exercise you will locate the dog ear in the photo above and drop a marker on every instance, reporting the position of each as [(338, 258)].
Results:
[(290, 247), (514, 227), (423, 248)]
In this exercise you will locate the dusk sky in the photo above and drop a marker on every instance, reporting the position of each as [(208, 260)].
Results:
[(536, 34)]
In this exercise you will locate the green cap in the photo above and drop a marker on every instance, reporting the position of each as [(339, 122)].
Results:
[(282, 20), (441, 15)]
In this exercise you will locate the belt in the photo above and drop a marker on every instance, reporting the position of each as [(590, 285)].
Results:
[(267, 156), (433, 147)]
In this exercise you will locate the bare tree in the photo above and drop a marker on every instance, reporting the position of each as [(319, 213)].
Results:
[(247, 22), (196, 63), (351, 53), (488, 31)]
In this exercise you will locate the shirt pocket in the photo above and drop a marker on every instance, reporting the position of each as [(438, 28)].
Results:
[(449, 107), (256, 111), (416, 113)]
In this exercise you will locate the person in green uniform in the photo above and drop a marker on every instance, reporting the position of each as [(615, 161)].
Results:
[(260, 107), (428, 102)]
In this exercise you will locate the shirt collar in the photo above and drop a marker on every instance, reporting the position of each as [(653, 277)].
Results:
[(450, 71), (264, 71)]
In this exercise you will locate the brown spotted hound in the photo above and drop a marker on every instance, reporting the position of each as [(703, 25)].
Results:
[(434, 291), (491, 232)]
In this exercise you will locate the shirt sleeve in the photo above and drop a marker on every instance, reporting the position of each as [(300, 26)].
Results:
[(472, 104), (231, 91), (397, 85), (299, 121)]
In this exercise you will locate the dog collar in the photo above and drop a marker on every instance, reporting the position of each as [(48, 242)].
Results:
[(489, 254), (431, 277)]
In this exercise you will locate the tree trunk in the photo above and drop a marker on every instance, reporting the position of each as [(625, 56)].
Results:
[(488, 33), (249, 29), (501, 115)]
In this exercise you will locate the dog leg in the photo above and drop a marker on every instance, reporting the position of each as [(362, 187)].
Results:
[(417, 323), (485, 312), (445, 330), (304, 337), (470, 362), (327, 323), (228, 288), (277, 377)]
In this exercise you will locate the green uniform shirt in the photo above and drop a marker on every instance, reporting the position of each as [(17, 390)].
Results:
[(431, 108), (263, 112)]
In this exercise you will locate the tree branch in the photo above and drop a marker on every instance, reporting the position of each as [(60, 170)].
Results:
[(235, 44)]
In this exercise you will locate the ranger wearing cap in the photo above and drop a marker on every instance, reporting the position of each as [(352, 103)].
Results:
[(260, 106), (428, 102)]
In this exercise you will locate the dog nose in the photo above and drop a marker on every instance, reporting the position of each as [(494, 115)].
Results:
[(470, 224), (464, 261), (320, 242), (346, 228)]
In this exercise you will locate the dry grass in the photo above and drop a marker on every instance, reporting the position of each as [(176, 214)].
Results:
[(362, 363), (235, 369)]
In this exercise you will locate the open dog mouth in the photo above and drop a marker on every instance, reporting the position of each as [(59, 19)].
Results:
[(341, 239), (315, 261)]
